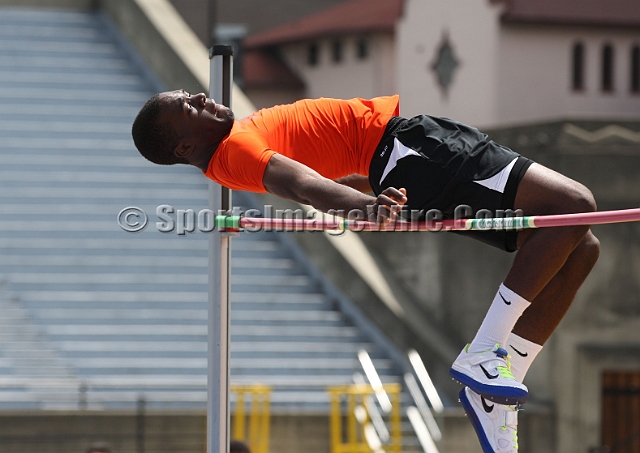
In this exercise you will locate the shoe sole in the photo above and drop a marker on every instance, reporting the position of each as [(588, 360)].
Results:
[(509, 396), (475, 422)]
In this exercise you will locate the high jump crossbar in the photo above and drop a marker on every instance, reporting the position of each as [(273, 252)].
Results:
[(237, 223)]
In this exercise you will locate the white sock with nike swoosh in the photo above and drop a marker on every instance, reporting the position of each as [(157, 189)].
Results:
[(522, 352), (498, 323)]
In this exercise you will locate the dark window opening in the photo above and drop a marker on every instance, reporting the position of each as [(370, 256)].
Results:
[(635, 69), (621, 411), (336, 51), (578, 67), (607, 68), (313, 54), (362, 49)]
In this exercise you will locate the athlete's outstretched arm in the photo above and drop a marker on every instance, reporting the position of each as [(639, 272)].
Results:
[(358, 182), (289, 179)]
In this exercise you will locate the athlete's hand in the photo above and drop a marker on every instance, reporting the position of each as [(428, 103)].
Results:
[(387, 205)]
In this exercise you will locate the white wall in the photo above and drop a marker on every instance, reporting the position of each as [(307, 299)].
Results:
[(268, 97), (536, 68), (508, 73), (352, 77), (473, 30)]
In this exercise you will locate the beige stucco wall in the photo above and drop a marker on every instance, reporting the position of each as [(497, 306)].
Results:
[(508, 73), (351, 77), (536, 69), (268, 97), (473, 30)]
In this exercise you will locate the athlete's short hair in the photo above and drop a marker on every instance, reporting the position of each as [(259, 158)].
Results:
[(99, 447), (237, 446), (154, 138)]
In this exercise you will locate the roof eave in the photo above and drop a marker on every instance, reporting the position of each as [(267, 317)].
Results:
[(566, 21), (253, 44)]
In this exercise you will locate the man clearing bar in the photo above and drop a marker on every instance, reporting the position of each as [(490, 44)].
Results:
[(333, 153)]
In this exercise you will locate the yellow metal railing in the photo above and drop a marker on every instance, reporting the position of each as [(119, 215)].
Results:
[(252, 426), (350, 420)]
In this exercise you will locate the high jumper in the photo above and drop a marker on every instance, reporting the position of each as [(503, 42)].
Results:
[(332, 154)]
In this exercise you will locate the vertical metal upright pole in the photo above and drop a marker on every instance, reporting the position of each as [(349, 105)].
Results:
[(220, 85)]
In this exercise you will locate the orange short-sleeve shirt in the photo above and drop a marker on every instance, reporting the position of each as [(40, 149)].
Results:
[(334, 137)]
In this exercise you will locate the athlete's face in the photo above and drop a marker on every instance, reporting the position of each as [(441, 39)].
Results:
[(196, 119)]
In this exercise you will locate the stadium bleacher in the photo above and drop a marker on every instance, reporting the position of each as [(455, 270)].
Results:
[(95, 317)]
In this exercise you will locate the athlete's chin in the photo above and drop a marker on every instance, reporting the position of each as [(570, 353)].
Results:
[(226, 122), (219, 130), (225, 114)]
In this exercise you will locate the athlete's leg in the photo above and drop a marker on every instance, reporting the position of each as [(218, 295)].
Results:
[(549, 269), (542, 317), (539, 321), (559, 258), (552, 263)]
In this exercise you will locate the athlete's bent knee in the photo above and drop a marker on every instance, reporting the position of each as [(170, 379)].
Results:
[(581, 199), (576, 199), (587, 251), (590, 248)]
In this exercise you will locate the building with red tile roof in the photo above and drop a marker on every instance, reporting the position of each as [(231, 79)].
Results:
[(355, 16), (488, 63)]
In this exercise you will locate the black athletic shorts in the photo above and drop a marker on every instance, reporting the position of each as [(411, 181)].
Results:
[(444, 164)]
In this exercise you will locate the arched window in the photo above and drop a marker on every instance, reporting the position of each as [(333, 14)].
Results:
[(577, 81), (635, 69), (313, 54), (336, 51), (362, 49), (607, 68)]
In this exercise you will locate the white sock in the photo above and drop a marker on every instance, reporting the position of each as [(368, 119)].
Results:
[(522, 352), (503, 314)]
